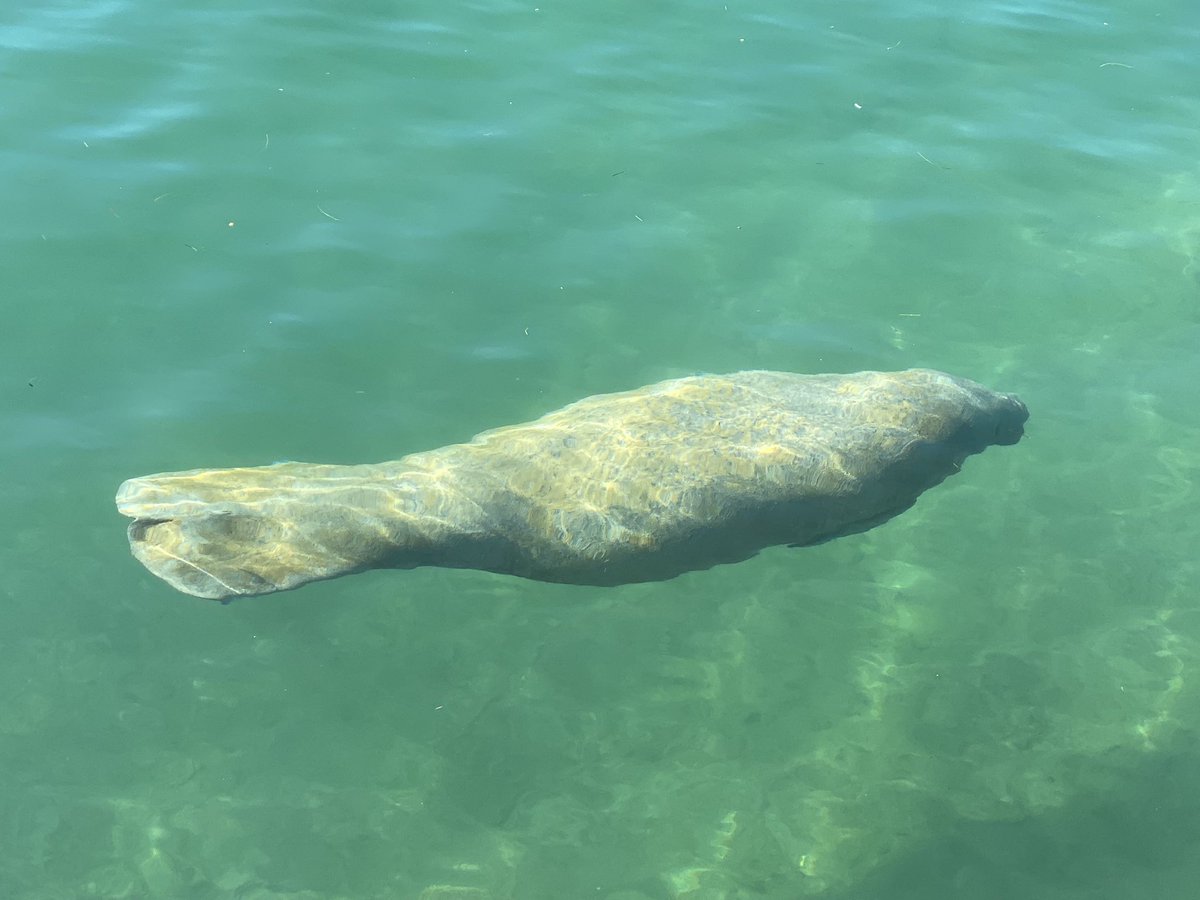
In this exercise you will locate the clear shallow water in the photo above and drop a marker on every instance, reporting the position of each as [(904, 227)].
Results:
[(345, 234)]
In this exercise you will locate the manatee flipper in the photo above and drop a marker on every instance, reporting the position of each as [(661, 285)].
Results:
[(220, 533)]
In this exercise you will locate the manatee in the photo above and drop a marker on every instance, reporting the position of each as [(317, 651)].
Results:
[(613, 489)]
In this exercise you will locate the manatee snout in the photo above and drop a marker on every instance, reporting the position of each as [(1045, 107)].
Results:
[(1010, 416)]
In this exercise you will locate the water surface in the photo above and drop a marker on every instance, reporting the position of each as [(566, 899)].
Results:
[(236, 235)]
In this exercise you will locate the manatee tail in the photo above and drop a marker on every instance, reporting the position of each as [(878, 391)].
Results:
[(221, 533)]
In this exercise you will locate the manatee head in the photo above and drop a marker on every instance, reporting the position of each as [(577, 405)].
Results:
[(1009, 415), (988, 417)]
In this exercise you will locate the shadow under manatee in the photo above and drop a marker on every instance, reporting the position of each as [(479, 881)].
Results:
[(1135, 835)]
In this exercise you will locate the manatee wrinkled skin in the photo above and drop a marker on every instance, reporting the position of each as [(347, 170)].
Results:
[(613, 489)]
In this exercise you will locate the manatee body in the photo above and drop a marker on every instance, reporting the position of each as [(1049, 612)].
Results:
[(616, 488)]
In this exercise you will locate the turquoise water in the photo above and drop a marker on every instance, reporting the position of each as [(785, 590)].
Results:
[(342, 233)]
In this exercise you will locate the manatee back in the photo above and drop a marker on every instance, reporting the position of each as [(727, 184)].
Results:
[(689, 473)]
